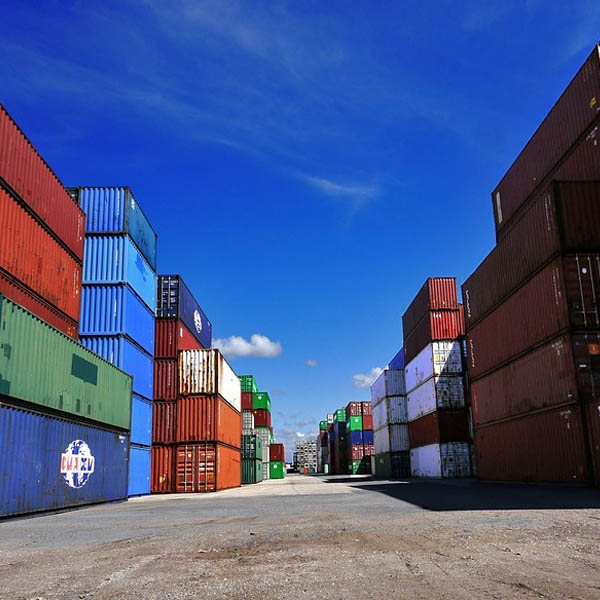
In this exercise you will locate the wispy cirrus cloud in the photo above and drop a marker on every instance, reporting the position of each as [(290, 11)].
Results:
[(311, 362), (259, 346)]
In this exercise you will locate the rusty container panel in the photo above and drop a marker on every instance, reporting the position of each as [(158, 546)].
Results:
[(246, 400), (262, 417), (208, 419), (25, 172), (163, 422), (33, 257), (17, 292), (277, 452), (437, 325), (206, 467), (569, 118), (546, 447), (439, 427), (437, 293), (171, 336), (353, 409), (162, 479), (165, 379)]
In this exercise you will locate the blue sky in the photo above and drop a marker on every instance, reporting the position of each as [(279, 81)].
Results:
[(306, 164)]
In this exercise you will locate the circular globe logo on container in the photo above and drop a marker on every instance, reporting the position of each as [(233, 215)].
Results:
[(197, 321), (77, 464)]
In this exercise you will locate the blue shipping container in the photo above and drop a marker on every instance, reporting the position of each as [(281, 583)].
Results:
[(122, 353), (115, 210), (116, 259), (355, 438), (368, 437), (141, 421), (114, 309), (139, 471), (48, 463), (176, 301), (398, 361)]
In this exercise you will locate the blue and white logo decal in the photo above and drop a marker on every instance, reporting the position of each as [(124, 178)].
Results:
[(77, 464), (197, 321)]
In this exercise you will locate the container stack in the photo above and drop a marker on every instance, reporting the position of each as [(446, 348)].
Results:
[(438, 425), (252, 454), (306, 460), (118, 305), (337, 443), (532, 315), (322, 449), (359, 437), (277, 462), (261, 410), (263, 433)]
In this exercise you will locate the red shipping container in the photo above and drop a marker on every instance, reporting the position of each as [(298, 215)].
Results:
[(277, 452), (25, 171), (355, 452), (262, 417), (586, 351), (162, 479), (33, 257), (437, 325), (437, 293), (17, 292), (171, 335), (367, 408), (207, 467), (163, 422), (353, 409), (439, 427), (208, 419), (165, 379), (367, 422), (369, 450), (574, 112), (563, 294), (541, 447), (247, 401), (591, 416)]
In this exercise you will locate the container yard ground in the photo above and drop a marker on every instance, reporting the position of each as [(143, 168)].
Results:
[(307, 536)]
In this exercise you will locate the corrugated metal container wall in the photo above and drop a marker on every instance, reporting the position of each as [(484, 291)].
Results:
[(542, 447), (247, 401), (381, 439), (437, 358), (397, 363), (26, 172), (277, 452), (572, 114), (208, 419), (115, 210), (165, 379), (389, 383), (439, 427), (115, 310), (592, 420), (441, 460), (437, 392), (206, 467), (368, 421), (353, 409), (60, 463), (437, 293), (36, 259), (251, 471), (122, 353), (40, 365), (391, 438), (367, 408), (247, 420), (171, 337), (586, 350), (176, 301), (163, 422), (262, 417), (163, 480), (141, 421), (436, 326), (18, 293), (397, 410), (140, 459), (266, 471), (115, 259), (207, 372)]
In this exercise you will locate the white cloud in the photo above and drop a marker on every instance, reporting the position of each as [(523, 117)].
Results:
[(332, 188), (311, 362), (259, 346), (364, 380)]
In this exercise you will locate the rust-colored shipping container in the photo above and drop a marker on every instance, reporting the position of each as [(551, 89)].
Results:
[(25, 172), (162, 480), (563, 218), (567, 121), (437, 293), (171, 336), (246, 400), (17, 292), (439, 427), (206, 467), (208, 418), (277, 452), (355, 452), (353, 409), (586, 350), (367, 408), (369, 449), (367, 422), (262, 417), (166, 373), (591, 415), (435, 326), (547, 446), (33, 257), (163, 422)]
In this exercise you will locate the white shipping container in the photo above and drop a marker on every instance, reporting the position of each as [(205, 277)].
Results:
[(390, 410), (207, 372), (437, 358), (381, 439), (437, 392), (247, 420), (392, 438), (265, 469), (329, 418), (449, 460), (389, 383)]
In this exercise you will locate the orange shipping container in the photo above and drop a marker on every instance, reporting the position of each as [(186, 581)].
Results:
[(165, 379), (171, 336), (207, 467), (161, 481)]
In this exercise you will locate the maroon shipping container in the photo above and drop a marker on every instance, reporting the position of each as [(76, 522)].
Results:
[(439, 427), (367, 408), (162, 479), (323, 439), (163, 422), (33, 257), (570, 117), (586, 351), (171, 335), (355, 452), (563, 294), (28, 175), (437, 293), (262, 417), (435, 326), (591, 415), (367, 422), (207, 467), (246, 400), (17, 292), (277, 452), (564, 217), (541, 447), (353, 409), (369, 449), (165, 379)]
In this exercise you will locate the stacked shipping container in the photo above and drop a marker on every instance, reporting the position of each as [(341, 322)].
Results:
[(252, 454), (249, 387), (359, 437)]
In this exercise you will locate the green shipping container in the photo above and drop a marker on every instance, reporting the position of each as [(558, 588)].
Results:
[(251, 471), (277, 470), (252, 447), (360, 467), (354, 424), (339, 416), (383, 465), (261, 400), (323, 426), (38, 364), (248, 384)]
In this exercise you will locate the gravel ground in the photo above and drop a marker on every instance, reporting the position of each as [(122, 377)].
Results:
[(343, 538)]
